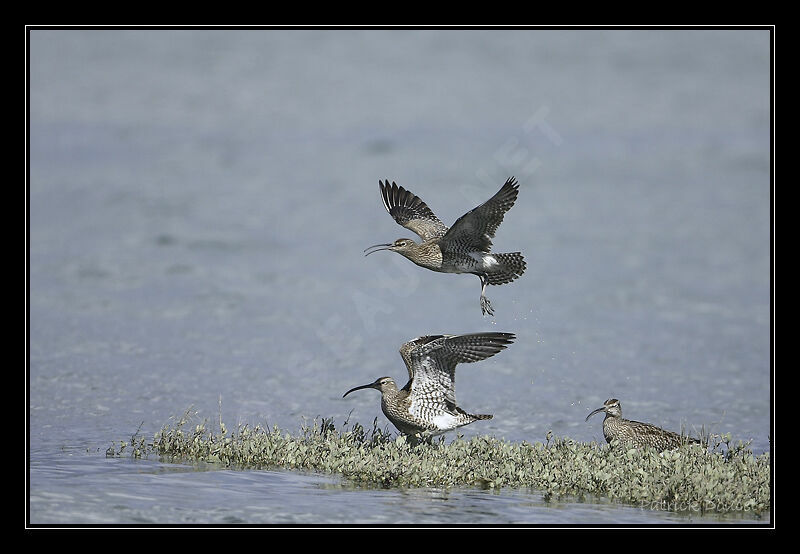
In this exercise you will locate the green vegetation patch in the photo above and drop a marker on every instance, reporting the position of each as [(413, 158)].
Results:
[(714, 477)]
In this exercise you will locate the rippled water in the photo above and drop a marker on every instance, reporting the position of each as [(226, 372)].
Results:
[(200, 200)]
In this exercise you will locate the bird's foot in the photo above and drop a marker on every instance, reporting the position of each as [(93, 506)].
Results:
[(486, 306)]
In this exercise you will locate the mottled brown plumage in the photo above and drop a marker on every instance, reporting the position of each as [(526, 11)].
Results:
[(615, 427), (464, 247), (427, 403)]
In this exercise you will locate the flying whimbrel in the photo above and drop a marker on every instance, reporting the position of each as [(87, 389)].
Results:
[(462, 248), (615, 427), (426, 405)]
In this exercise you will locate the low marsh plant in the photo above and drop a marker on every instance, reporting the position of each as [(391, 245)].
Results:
[(708, 477)]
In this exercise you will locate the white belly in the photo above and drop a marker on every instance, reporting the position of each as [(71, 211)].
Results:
[(485, 261), (445, 422)]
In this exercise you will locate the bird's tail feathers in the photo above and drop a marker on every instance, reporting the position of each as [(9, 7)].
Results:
[(510, 266)]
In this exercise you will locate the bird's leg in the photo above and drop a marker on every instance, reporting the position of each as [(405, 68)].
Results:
[(417, 438), (486, 306)]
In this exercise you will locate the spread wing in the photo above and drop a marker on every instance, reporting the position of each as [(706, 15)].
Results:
[(410, 211), (475, 229), (408, 348), (433, 363)]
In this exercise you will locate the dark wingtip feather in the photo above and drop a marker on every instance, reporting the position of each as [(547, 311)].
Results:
[(504, 338)]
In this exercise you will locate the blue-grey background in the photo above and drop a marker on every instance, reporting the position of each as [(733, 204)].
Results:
[(200, 199)]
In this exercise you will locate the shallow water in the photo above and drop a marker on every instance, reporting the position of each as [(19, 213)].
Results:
[(79, 489), (200, 201)]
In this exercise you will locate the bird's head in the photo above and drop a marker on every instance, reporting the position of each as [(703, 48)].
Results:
[(611, 407), (401, 246), (382, 384)]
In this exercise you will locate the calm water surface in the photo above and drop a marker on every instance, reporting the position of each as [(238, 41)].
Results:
[(200, 201)]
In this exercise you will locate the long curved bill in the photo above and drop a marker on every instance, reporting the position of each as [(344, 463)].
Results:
[(598, 410), (377, 247), (369, 386)]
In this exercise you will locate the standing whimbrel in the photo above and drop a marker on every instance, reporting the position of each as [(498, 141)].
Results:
[(615, 427), (427, 404), (464, 247)]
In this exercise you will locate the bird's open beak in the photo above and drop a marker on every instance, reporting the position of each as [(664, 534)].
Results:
[(377, 248), (598, 410)]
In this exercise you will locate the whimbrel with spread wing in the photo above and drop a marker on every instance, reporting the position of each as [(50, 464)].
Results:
[(462, 248), (426, 405)]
